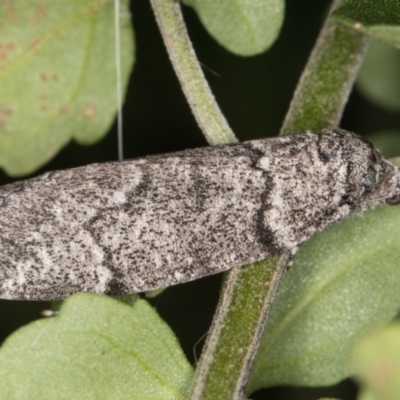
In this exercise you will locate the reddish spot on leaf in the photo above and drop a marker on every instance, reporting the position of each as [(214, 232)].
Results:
[(381, 374), (63, 109), (5, 113), (33, 43), (94, 8), (46, 77), (6, 49), (11, 13), (89, 111), (39, 14)]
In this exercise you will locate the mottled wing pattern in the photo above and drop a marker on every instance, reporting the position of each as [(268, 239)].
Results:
[(138, 225), (132, 226)]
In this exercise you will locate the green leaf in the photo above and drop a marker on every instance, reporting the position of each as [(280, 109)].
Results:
[(378, 18), (376, 363), (97, 348), (344, 281), (379, 77), (57, 76), (366, 395), (244, 27), (329, 398), (386, 141)]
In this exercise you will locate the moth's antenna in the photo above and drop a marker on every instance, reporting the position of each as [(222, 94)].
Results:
[(118, 78)]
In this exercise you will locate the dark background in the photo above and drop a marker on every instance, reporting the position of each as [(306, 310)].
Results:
[(254, 94)]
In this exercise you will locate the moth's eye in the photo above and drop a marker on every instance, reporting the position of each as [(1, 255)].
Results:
[(393, 200), (369, 179), (325, 156)]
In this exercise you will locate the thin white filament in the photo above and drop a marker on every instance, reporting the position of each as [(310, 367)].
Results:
[(118, 78)]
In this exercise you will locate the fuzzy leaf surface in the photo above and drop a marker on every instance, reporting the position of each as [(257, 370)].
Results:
[(376, 363), (379, 18), (96, 348), (243, 27), (379, 77), (344, 281), (57, 76)]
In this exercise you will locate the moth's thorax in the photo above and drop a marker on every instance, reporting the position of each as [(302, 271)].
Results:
[(321, 179)]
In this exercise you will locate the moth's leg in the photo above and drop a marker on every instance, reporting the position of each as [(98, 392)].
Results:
[(292, 253)]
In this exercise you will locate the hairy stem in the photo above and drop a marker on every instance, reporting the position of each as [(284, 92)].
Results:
[(327, 79), (238, 324), (194, 85)]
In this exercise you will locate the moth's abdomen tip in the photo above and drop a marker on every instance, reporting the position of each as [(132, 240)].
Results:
[(394, 199)]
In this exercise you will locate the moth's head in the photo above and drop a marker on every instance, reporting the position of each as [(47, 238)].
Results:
[(368, 178)]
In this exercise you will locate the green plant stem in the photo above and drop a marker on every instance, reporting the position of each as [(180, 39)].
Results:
[(248, 292), (238, 324), (327, 79), (194, 85)]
